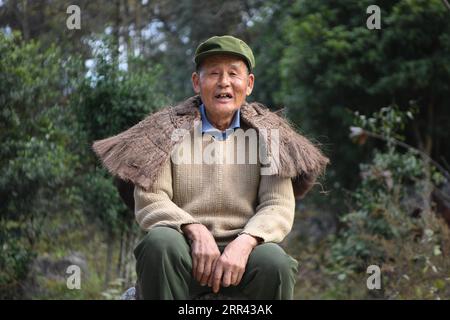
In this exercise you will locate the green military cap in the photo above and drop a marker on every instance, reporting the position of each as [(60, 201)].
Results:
[(225, 44)]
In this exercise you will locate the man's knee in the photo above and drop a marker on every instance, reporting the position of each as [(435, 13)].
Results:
[(161, 241), (272, 261), (162, 263)]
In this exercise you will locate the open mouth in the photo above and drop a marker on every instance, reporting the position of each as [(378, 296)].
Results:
[(224, 96)]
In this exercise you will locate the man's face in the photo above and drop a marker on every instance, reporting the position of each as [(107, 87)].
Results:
[(223, 83)]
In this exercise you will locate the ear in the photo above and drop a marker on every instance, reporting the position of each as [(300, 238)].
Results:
[(251, 82), (196, 82)]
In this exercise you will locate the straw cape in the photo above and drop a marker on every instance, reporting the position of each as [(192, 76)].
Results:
[(137, 155)]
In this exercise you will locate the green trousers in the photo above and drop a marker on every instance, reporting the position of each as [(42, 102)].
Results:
[(164, 270)]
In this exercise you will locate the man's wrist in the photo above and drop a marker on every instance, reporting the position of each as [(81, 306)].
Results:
[(252, 240), (192, 230)]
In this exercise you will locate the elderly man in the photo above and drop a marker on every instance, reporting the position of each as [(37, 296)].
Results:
[(214, 226)]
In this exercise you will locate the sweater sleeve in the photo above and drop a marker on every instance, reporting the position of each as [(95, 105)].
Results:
[(155, 207), (275, 210)]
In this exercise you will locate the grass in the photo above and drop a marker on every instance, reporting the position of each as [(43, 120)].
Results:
[(411, 269)]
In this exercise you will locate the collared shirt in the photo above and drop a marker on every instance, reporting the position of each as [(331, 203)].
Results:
[(208, 128)]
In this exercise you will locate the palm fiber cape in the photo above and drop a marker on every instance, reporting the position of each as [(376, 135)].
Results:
[(136, 155)]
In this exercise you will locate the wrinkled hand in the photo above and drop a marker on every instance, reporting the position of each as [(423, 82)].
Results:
[(204, 251), (230, 267)]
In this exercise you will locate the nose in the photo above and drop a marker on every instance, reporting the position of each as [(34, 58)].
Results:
[(224, 80)]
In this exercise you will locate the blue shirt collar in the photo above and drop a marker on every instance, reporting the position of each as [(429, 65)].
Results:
[(207, 127)]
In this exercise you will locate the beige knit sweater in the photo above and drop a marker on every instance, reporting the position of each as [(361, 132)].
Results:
[(229, 199)]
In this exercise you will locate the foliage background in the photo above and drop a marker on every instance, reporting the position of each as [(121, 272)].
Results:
[(380, 203)]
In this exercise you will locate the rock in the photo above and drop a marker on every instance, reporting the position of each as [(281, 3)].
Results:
[(56, 268), (52, 269), (311, 227), (130, 294)]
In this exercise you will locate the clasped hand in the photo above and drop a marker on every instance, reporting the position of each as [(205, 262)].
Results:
[(211, 268)]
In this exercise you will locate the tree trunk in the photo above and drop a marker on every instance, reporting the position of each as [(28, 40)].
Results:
[(121, 258), (25, 24), (116, 32), (109, 256), (128, 264), (430, 129)]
